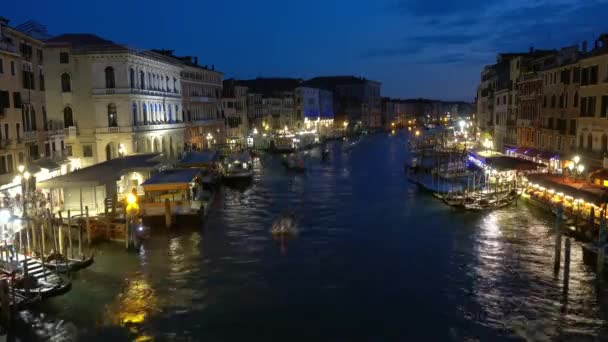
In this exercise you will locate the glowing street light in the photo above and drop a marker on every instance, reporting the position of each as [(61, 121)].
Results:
[(20, 168), (576, 159), (345, 124), (462, 124), (571, 167), (255, 131), (580, 168), (417, 133), (26, 175)]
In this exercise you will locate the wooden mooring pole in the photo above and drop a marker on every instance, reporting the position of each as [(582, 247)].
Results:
[(601, 243), (558, 240), (167, 213), (60, 235), (71, 252), (6, 304), (566, 267), (88, 225)]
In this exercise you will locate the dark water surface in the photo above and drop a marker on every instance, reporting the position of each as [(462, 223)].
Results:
[(376, 259)]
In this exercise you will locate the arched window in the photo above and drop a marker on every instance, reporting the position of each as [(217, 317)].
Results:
[(66, 84), (581, 140), (112, 119), (167, 83), (110, 81), (145, 111), (589, 142), (576, 99), (142, 80), (132, 77), (604, 143), (177, 113), (553, 101), (566, 100), (68, 118), (134, 108), (170, 114), (150, 84), (174, 85)]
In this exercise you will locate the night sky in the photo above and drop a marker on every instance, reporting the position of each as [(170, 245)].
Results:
[(416, 48)]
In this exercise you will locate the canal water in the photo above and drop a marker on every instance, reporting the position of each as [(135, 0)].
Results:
[(375, 259)]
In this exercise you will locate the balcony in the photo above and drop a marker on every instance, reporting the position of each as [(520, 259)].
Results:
[(30, 135), (113, 130), (5, 46), (71, 132), (157, 127), (5, 143), (135, 91)]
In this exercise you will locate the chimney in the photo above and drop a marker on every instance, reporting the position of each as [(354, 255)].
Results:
[(584, 48), (196, 60)]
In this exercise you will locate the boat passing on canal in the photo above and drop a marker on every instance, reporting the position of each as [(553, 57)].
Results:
[(182, 188), (295, 162), (237, 166)]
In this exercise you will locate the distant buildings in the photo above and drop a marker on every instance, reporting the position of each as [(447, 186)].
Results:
[(356, 100), (556, 100), (316, 106)]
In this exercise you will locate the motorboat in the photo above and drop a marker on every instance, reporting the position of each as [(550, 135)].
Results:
[(237, 166), (284, 225), (295, 163)]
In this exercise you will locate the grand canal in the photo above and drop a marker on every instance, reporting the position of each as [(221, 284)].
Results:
[(375, 259)]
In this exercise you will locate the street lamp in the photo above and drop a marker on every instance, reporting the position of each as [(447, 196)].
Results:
[(580, 168), (576, 159)]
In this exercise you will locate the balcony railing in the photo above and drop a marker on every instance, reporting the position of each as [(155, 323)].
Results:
[(122, 91), (30, 135), (113, 130), (157, 127)]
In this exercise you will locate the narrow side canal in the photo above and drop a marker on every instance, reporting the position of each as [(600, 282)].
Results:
[(375, 259)]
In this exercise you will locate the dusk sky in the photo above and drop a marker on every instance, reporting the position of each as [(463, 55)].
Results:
[(416, 48)]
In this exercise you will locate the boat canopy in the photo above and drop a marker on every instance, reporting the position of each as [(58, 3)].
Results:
[(199, 159), (173, 179), (241, 157)]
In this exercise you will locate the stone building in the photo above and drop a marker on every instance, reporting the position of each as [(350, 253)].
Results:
[(106, 100), (559, 111), (201, 89), (315, 105), (23, 80), (592, 124), (234, 106)]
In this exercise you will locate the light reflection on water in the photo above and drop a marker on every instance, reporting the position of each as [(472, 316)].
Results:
[(375, 259)]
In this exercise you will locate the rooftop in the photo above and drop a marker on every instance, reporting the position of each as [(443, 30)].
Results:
[(104, 173)]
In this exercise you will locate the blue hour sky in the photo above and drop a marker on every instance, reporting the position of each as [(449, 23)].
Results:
[(416, 48)]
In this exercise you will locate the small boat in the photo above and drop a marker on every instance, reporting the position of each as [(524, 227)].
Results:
[(61, 264), (237, 167), (284, 225), (325, 154), (295, 163), (40, 281)]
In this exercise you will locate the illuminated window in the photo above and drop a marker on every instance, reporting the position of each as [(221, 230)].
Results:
[(605, 182)]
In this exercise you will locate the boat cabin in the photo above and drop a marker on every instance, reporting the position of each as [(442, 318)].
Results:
[(181, 187)]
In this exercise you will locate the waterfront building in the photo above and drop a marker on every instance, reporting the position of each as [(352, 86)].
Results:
[(201, 89), (23, 112), (106, 100), (234, 107), (356, 100), (315, 105), (592, 124), (559, 111), (485, 100)]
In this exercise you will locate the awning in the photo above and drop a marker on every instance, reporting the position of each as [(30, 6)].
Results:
[(104, 173), (581, 190), (503, 163)]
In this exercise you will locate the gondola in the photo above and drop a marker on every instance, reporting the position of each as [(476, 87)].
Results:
[(40, 281), (61, 265)]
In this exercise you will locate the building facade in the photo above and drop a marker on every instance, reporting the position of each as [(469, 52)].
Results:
[(201, 97), (234, 106), (592, 127), (23, 108), (105, 100), (559, 111), (316, 106)]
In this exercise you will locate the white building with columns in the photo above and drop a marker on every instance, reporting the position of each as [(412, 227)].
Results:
[(106, 100)]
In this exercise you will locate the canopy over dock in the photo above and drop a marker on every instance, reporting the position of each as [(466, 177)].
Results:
[(171, 179)]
